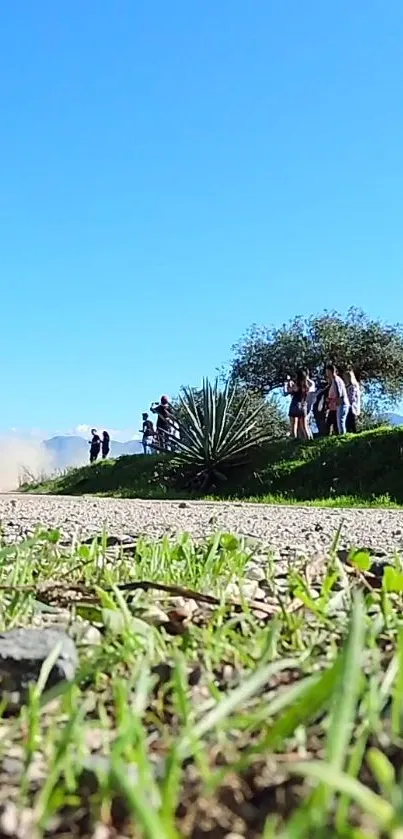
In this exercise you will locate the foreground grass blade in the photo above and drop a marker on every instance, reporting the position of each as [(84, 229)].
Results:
[(397, 697), (369, 801), (343, 704), (46, 668), (227, 706), (138, 802), (315, 698)]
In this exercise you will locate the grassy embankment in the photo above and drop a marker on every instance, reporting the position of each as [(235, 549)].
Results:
[(362, 469)]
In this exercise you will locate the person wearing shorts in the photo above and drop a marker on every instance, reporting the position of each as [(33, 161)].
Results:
[(148, 434), (298, 413)]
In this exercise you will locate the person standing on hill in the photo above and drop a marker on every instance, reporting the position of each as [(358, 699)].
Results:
[(164, 421), (320, 408), (175, 435), (331, 413), (95, 445), (105, 445), (354, 398), (298, 413), (148, 434), (310, 401), (338, 400)]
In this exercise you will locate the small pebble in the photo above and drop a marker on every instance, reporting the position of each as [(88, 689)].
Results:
[(256, 571)]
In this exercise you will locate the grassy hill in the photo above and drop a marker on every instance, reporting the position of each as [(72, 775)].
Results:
[(366, 467)]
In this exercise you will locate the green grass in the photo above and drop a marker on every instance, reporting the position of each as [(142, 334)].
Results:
[(334, 502), (189, 719), (355, 470)]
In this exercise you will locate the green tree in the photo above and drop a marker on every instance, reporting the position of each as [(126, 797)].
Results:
[(265, 356)]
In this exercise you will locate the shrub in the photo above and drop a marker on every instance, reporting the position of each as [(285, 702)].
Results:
[(217, 432)]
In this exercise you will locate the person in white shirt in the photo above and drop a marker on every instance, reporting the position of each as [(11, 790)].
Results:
[(310, 401), (175, 435), (354, 398), (337, 399), (298, 412)]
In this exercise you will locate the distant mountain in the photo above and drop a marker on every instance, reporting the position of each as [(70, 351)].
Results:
[(394, 419), (74, 451)]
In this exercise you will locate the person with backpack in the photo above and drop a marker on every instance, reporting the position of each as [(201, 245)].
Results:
[(148, 434)]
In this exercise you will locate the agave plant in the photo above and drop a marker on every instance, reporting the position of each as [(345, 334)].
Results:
[(217, 431)]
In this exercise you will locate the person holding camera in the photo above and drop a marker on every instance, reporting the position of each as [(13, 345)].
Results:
[(164, 421), (298, 413)]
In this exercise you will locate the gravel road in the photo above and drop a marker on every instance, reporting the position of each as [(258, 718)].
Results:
[(284, 529)]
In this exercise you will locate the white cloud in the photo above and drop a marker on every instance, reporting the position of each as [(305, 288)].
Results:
[(81, 429), (121, 435)]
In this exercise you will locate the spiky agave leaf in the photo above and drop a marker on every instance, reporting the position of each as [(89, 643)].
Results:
[(216, 435)]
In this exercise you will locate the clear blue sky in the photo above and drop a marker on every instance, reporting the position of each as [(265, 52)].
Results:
[(172, 172)]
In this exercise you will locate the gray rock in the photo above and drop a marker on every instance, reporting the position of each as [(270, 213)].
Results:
[(86, 634), (12, 767), (249, 589), (255, 571), (22, 653)]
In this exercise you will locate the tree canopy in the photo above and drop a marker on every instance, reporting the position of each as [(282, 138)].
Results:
[(374, 350)]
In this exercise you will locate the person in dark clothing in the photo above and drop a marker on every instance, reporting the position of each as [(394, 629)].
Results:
[(298, 413), (105, 445), (148, 434), (164, 421), (319, 409), (331, 422), (95, 445)]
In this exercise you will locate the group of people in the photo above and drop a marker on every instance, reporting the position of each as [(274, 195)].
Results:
[(166, 434), (334, 406), (163, 437), (97, 445)]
